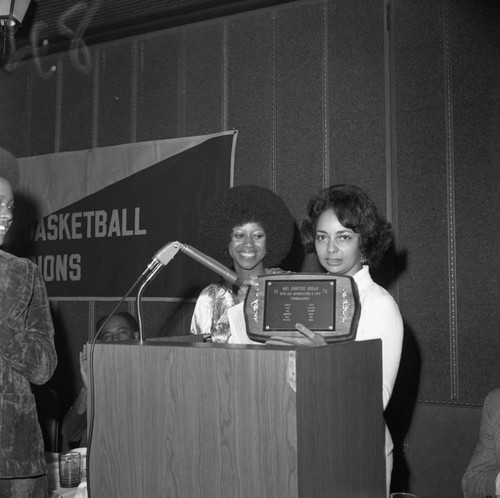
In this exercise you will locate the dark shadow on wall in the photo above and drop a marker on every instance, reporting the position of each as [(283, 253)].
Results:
[(295, 257), (399, 412), (66, 379), (392, 266)]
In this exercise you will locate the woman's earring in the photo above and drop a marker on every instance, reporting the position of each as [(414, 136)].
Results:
[(363, 260)]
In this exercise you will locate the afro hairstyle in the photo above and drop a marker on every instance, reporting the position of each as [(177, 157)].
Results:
[(9, 168), (244, 204)]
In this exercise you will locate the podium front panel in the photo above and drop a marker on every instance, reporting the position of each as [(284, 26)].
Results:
[(194, 420)]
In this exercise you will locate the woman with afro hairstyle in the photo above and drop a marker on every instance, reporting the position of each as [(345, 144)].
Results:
[(250, 229), (343, 227)]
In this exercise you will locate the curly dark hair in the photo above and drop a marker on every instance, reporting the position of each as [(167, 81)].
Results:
[(244, 204), (9, 168), (354, 210)]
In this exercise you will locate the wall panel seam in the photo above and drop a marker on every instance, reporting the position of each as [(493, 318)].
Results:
[(181, 93), (57, 130), (450, 175), (131, 308), (272, 172), (91, 321), (29, 110), (326, 121), (133, 92), (95, 99), (391, 150), (390, 115), (225, 82)]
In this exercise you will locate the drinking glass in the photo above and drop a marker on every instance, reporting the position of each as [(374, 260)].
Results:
[(70, 473)]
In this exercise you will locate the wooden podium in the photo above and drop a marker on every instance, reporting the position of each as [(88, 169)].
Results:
[(188, 420)]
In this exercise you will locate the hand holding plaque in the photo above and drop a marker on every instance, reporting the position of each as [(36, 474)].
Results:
[(307, 338)]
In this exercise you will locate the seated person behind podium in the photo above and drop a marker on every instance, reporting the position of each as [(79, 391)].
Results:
[(27, 355), (343, 227), (249, 229), (482, 477), (122, 326)]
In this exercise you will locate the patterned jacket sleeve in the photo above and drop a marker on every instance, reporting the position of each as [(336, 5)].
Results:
[(26, 329), (479, 480)]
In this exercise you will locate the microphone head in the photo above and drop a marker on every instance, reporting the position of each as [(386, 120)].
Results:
[(167, 252)]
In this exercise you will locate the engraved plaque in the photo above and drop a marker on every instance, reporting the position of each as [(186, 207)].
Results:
[(310, 302), (326, 304)]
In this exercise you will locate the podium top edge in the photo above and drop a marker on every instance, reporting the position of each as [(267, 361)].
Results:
[(173, 342)]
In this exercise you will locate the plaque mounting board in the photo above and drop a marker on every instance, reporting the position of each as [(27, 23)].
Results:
[(326, 304)]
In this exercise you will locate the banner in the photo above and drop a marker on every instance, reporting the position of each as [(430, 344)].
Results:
[(102, 214)]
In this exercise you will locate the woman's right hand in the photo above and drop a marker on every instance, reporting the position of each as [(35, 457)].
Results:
[(83, 367), (307, 338), (81, 403)]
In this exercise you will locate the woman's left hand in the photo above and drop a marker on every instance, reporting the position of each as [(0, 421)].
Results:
[(307, 338)]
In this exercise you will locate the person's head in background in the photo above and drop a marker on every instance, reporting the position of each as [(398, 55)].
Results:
[(121, 326), (343, 227), (9, 178), (248, 228)]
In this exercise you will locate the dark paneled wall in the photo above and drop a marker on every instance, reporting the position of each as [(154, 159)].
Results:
[(446, 61), (321, 92), (447, 56)]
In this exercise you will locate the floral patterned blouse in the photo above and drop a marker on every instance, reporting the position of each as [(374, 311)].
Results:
[(210, 316)]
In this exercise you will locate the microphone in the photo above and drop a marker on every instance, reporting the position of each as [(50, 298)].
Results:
[(211, 264), (164, 256), (168, 251)]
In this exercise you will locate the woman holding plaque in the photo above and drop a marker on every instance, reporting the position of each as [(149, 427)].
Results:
[(249, 229), (343, 227)]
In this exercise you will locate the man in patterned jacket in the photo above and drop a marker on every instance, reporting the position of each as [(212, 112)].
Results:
[(482, 477), (27, 354)]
